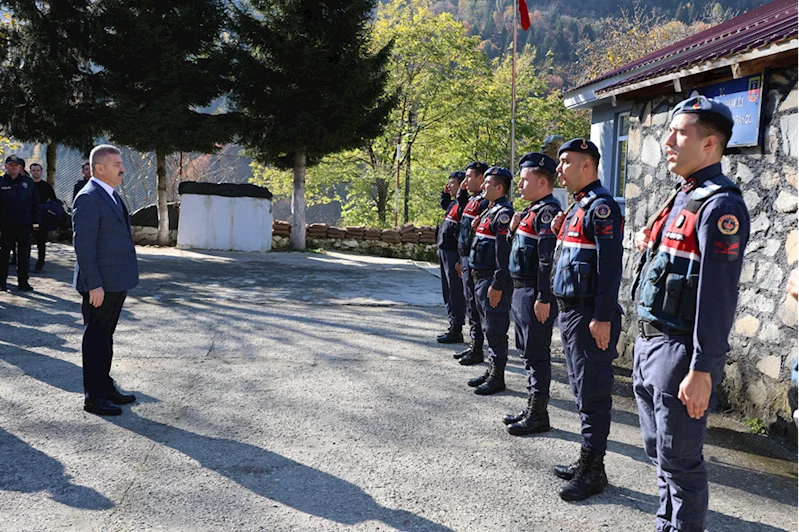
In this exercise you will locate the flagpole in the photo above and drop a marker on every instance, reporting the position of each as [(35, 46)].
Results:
[(513, 96)]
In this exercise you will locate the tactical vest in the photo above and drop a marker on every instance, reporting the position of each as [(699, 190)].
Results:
[(483, 253), (450, 227), (524, 252), (575, 263), (668, 282), (470, 212)]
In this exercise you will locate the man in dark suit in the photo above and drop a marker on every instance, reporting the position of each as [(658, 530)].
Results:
[(105, 270)]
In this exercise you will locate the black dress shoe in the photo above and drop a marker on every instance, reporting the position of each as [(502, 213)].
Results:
[(120, 398), (25, 287), (101, 406)]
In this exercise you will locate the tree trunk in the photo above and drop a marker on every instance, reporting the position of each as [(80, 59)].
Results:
[(407, 183), (163, 212), (381, 201), (298, 201), (50, 157)]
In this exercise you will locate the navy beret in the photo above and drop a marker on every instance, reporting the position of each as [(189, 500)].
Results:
[(477, 165), (704, 106), (460, 176), (580, 146), (538, 160), (15, 159), (499, 170)]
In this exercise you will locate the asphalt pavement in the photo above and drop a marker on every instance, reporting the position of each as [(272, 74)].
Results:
[(304, 391)]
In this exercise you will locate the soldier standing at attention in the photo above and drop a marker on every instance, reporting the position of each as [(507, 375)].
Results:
[(687, 291), (533, 244), (471, 187), (451, 285), (587, 278), (493, 287)]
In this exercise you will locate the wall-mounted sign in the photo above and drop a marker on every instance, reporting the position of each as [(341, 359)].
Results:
[(744, 97)]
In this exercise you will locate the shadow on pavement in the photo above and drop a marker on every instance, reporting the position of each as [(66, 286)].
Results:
[(278, 478), (27, 470)]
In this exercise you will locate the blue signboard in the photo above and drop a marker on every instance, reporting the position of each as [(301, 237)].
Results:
[(744, 97)]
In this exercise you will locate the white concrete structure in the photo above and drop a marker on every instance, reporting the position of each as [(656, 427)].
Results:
[(225, 223)]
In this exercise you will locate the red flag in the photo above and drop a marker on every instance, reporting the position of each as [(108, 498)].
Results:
[(525, 15)]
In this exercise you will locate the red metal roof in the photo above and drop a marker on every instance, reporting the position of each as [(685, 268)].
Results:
[(771, 23)]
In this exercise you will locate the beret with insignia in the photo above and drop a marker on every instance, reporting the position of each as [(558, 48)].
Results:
[(500, 171), (538, 160), (459, 175), (477, 165), (701, 105), (580, 146)]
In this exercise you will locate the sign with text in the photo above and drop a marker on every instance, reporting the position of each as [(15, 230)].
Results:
[(744, 97)]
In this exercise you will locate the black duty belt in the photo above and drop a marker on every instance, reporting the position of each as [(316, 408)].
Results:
[(652, 330), (524, 283), (574, 303), (481, 274)]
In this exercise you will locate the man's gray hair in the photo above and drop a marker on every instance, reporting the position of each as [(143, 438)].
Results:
[(99, 153)]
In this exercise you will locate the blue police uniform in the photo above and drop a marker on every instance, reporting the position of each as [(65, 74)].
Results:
[(587, 277), (19, 210), (476, 205), (686, 292), (530, 268), (489, 264), (451, 284)]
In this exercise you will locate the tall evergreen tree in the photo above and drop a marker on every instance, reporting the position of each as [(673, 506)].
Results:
[(161, 62), (46, 89), (307, 84)]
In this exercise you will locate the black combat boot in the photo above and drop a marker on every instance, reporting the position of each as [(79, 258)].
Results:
[(495, 382), (513, 417), (477, 381), (589, 478), (536, 418), (566, 472), (452, 336), (466, 351), (474, 356)]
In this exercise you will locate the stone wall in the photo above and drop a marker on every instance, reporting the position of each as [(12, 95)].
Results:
[(147, 236), (413, 251), (764, 334)]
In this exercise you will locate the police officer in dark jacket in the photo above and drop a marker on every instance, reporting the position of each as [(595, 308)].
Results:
[(586, 282), (534, 312), (451, 284), (687, 291), (87, 174), (48, 203), (489, 263), (476, 204), (19, 214)]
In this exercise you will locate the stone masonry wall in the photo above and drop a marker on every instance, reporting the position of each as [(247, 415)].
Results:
[(764, 335)]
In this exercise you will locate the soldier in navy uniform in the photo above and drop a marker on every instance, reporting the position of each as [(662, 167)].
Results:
[(488, 261), (586, 282), (19, 216), (686, 292), (472, 189), (533, 244), (451, 284)]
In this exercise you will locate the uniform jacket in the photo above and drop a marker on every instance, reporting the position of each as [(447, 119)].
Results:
[(19, 200), (533, 244), (490, 247), (475, 206), (450, 225), (103, 243)]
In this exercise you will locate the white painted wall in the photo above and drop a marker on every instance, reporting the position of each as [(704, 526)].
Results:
[(231, 224)]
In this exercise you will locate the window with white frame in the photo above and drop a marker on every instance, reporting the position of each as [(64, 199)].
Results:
[(620, 164)]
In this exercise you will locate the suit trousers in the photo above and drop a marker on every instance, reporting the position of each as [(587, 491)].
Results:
[(98, 342), (11, 234)]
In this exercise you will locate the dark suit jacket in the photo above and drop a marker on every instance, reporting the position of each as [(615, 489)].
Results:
[(103, 242)]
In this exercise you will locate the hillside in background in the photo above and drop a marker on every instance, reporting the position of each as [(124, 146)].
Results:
[(560, 30)]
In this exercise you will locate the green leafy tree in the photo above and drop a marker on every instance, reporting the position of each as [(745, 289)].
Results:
[(308, 85), (159, 63), (46, 89)]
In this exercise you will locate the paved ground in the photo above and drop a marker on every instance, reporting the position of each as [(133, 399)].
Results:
[(294, 391)]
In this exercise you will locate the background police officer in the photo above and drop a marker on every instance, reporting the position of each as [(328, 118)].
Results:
[(49, 206), (471, 187), (687, 292), (86, 174), (589, 242), (19, 214), (493, 288), (533, 244), (448, 258)]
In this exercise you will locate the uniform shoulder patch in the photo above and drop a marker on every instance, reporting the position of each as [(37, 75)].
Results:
[(728, 224), (602, 211), (546, 217), (504, 218)]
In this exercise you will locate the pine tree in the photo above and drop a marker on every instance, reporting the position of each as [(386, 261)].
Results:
[(46, 89), (161, 62), (307, 85)]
